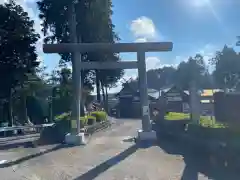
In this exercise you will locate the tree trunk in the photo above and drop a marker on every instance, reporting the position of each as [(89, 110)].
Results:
[(10, 110), (106, 93), (103, 95), (5, 112), (24, 109), (98, 86)]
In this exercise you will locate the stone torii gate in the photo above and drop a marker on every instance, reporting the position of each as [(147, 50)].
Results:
[(146, 132)]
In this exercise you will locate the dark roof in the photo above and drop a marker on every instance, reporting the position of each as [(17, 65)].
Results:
[(167, 88)]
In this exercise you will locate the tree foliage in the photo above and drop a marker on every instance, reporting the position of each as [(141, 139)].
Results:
[(227, 68), (18, 58), (192, 70), (93, 25), (17, 46), (164, 76)]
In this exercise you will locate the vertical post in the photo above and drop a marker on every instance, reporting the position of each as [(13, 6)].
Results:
[(50, 109), (146, 126), (194, 103), (76, 74)]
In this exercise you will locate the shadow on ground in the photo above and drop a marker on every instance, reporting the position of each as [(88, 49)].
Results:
[(18, 141), (96, 171), (195, 160), (33, 155)]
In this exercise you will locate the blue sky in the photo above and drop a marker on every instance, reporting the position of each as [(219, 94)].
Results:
[(194, 26)]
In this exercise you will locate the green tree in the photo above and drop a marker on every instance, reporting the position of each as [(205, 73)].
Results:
[(158, 78), (27, 89), (17, 46), (93, 25), (227, 68), (192, 70)]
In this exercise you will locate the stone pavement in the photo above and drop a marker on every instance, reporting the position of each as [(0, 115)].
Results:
[(111, 155)]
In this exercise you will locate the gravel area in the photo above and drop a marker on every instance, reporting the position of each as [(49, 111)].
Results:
[(112, 155)]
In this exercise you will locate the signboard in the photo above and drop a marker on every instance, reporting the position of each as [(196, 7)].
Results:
[(186, 108), (145, 110), (135, 98), (174, 98)]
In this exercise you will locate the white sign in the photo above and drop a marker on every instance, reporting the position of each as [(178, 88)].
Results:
[(186, 108), (136, 98), (145, 110)]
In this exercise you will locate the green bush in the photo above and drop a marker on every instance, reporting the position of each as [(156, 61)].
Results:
[(91, 120), (63, 116), (83, 122), (67, 117), (64, 124), (55, 133), (100, 115)]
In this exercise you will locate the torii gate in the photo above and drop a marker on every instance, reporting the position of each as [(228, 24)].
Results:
[(140, 64)]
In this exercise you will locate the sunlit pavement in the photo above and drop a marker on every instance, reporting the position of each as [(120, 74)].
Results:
[(109, 155)]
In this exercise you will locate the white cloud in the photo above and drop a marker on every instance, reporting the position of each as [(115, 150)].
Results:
[(141, 40), (155, 63), (152, 63), (144, 29), (208, 52), (3, 1)]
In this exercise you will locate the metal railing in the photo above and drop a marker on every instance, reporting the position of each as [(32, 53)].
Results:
[(29, 129), (4, 129)]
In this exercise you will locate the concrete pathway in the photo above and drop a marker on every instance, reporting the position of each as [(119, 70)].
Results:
[(112, 155)]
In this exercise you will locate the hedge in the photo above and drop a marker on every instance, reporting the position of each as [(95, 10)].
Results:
[(96, 116), (100, 115), (64, 124)]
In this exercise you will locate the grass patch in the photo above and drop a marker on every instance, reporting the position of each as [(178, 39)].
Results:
[(205, 121), (174, 116)]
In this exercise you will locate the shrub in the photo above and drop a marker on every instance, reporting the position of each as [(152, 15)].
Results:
[(63, 116), (100, 115), (64, 124), (83, 122), (91, 120), (55, 133), (67, 117)]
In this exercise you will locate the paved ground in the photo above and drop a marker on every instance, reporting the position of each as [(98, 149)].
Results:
[(15, 141), (112, 155)]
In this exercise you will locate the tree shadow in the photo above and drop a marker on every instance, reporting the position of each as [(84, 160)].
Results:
[(96, 171), (196, 159), (29, 143), (34, 155)]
